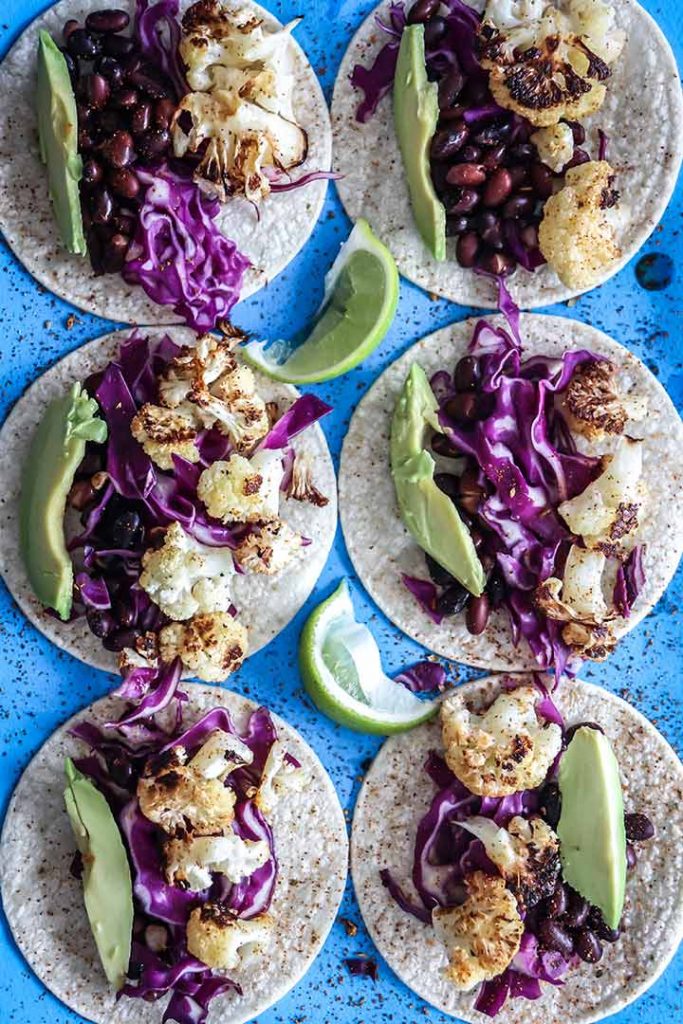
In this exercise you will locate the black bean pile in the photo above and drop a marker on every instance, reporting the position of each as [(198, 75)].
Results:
[(565, 921), (125, 107), (487, 174)]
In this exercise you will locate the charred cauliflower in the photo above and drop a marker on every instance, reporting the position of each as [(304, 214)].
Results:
[(575, 235), (164, 433), (526, 853), (301, 486), (211, 646), (279, 776), (578, 601), (243, 490), (220, 940), (483, 935), (184, 577), (176, 796), (268, 548), (220, 755), (240, 107), (502, 751), (191, 860), (594, 643), (545, 63), (555, 145), (593, 404)]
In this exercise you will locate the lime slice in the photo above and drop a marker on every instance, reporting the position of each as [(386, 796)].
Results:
[(361, 295), (342, 672)]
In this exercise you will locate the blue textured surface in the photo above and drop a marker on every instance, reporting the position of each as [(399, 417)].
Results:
[(40, 686)]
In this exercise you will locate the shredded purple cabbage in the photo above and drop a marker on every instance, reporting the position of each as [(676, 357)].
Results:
[(425, 593), (303, 413), (157, 31), (377, 81), (425, 677), (279, 185), (630, 581), (361, 967), (178, 255), (603, 144)]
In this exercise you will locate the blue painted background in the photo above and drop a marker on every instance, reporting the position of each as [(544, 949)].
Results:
[(40, 686)]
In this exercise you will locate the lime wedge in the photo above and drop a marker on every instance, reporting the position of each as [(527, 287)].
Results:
[(342, 672), (361, 295)]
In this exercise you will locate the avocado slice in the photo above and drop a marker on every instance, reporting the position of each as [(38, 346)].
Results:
[(56, 451), (107, 885), (428, 513), (591, 826), (416, 113), (58, 139)]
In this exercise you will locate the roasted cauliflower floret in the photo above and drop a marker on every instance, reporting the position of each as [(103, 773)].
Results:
[(220, 940), (582, 598), (555, 145), (184, 577), (176, 796), (211, 646), (241, 107), (268, 548), (607, 511), (575, 235), (195, 369), (594, 643), (545, 63), (526, 853), (502, 751), (593, 404), (191, 860), (220, 755), (483, 935), (164, 433), (301, 486), (279, 777), (243, 490)]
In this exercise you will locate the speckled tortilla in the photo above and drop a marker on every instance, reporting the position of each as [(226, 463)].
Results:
[(26, 219), (642, 115), (396, 794), (265, 603), (44, 903), (381, 547)]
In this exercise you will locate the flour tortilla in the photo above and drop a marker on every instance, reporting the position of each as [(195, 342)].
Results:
[(266, 604), (396, 794), (642, 115), (44, 907), (381, 548), (271, 241)]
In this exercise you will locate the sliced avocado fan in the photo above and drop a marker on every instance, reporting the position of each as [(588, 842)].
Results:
[(426, 511), (107, 885), (56, 451)]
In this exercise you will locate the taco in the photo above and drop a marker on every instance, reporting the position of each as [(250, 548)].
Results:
[(212, 853), (525, 478), (186, 185), (163, 500), (514, 138), (523, 849)]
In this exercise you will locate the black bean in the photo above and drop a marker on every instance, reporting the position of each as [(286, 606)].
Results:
[(470, 492), (477, 614), (81, 494), (463, 201), (121, 771), (522, 153), (125, 98), (163, 113), (72, 66), (452, 601), (148, 84), (448, 483), (556, 904), (496, 588), (490, 229), (467, 373), (597, 924), (466, 175), (519, 176), (92, 173), (576, 914), (494, 157), (541, 180), (448, 114), (631, 857), (498, 187), (448, 141), (153, 144), (124, 223), (101, 206), (118, 150), (108, 121), (493, 134), (467, 249), (443, 446), (118, 46), (551, 803), (553, 936), (124, 613), (114, 253), (529, 236), (470, 154), (578, 132), (463, 407), (455, 225), (126, 530), (638, 827), (99, 622), (110, 69), (83, 44), (70, 27), (422, 11), (118, 640), (107, 21), (580, 157), (438, 574), (518, 206), (450, 88), (587, 946), (141, 118), (94, 90), (435, 30), (478, 90), (497, 263), (124, 182)]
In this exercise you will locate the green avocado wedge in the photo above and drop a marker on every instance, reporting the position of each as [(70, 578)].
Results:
[(591, 826), (416, 113), (57, 449), (427, 512), (107, 885), (58, 139)]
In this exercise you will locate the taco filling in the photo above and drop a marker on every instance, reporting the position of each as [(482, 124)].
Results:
[(537, 499), (489, 112), (521, 861), (173, 119), (172, 469)]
